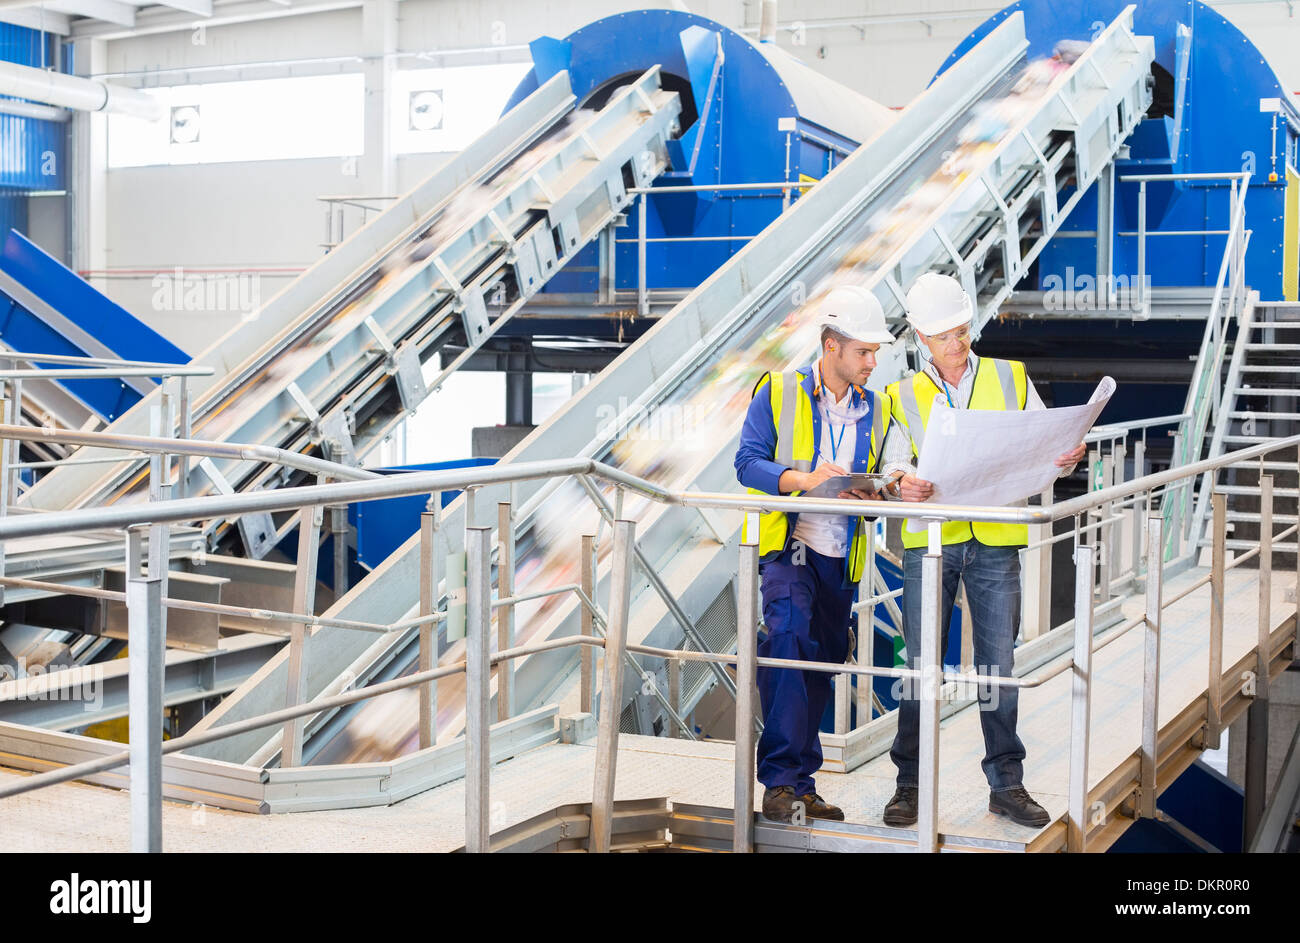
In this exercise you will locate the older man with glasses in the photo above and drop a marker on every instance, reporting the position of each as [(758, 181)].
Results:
[(983, 556)]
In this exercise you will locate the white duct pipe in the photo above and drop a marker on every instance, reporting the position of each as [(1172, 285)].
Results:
[(767, 22), (70, 91)]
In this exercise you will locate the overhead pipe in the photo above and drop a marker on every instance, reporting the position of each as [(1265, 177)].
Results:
[(71, 91)]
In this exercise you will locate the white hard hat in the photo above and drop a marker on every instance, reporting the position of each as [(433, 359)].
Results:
[(937, 303), (855, 312)]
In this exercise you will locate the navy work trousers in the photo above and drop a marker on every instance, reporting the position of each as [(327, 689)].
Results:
[(806, 609)]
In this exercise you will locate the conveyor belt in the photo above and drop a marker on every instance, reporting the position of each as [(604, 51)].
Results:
[(333, 363)]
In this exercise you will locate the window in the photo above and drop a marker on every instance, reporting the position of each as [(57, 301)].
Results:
[(268, 119), (437, 110)]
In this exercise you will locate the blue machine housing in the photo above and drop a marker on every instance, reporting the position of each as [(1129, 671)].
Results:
[(1211, 88), (86, 311), (751, 113)]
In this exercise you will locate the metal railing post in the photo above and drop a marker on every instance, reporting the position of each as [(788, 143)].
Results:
[(16, 388), (842, 685), (5, 461), (1141, 504), (430, 576), (339, 531), (1172, 505), (746, 681), (642, 293), (506, 613), (866, 630), (478, 677), (1037, 596), (146, 642), (585, 655), (1080, 700), (611, 687), (304, 602), (1146, 807), (1101, 537), (928, 684), (1214, 689), (1114, 546), (186, 429), (1257, 713)]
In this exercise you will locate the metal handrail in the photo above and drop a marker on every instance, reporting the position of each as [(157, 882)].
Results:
[(160, 512), (1201, 402), (162, 445), (68, 359), (407, 484)]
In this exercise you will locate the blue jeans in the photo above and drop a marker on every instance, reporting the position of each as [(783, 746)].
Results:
[(992, 578), (806, 610)]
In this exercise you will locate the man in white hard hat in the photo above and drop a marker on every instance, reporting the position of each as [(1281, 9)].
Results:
[(803, 427), (983, 556)]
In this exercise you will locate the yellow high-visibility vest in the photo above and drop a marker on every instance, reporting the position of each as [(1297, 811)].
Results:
[(792, 415), (999, 384)]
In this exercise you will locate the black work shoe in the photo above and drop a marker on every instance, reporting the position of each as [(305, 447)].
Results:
[(901, 810), (1017, 805), (779, 803), (815, 807)]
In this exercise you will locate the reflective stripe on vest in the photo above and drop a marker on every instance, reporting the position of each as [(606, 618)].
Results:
[(792, 417), (1010, 392)]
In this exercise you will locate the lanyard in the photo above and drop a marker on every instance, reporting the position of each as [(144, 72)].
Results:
[(835, 443), (944, 383)]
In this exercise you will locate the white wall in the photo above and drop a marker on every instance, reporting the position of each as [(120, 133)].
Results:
[(247, 218)]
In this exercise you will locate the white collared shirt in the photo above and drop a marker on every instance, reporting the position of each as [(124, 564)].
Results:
[(828, 534)]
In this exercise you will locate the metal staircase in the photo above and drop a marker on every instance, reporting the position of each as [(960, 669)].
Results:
[(1261, 400)]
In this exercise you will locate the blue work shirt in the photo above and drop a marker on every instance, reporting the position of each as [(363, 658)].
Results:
[(755, 457)]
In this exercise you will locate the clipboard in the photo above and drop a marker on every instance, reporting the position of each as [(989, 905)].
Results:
[(831, 487)]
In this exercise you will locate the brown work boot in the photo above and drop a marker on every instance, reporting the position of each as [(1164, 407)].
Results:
[(815, 807), (779, 803)]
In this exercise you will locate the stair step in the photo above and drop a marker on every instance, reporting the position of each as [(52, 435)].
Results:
[(1266, 466), (1254, 517), (1251, 545), (1271, 368), (1264, 391), (1246, 439), (1248, 414), (1254, 490), (1281, 348)]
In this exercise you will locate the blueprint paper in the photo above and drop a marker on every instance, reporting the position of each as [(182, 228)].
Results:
[(995, 458)]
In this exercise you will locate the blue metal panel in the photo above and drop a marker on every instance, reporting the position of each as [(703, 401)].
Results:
[(31, 150), (732, 98), (111, 324), (383, 526), (13, 210), (1208, 803), (1214, 78)]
